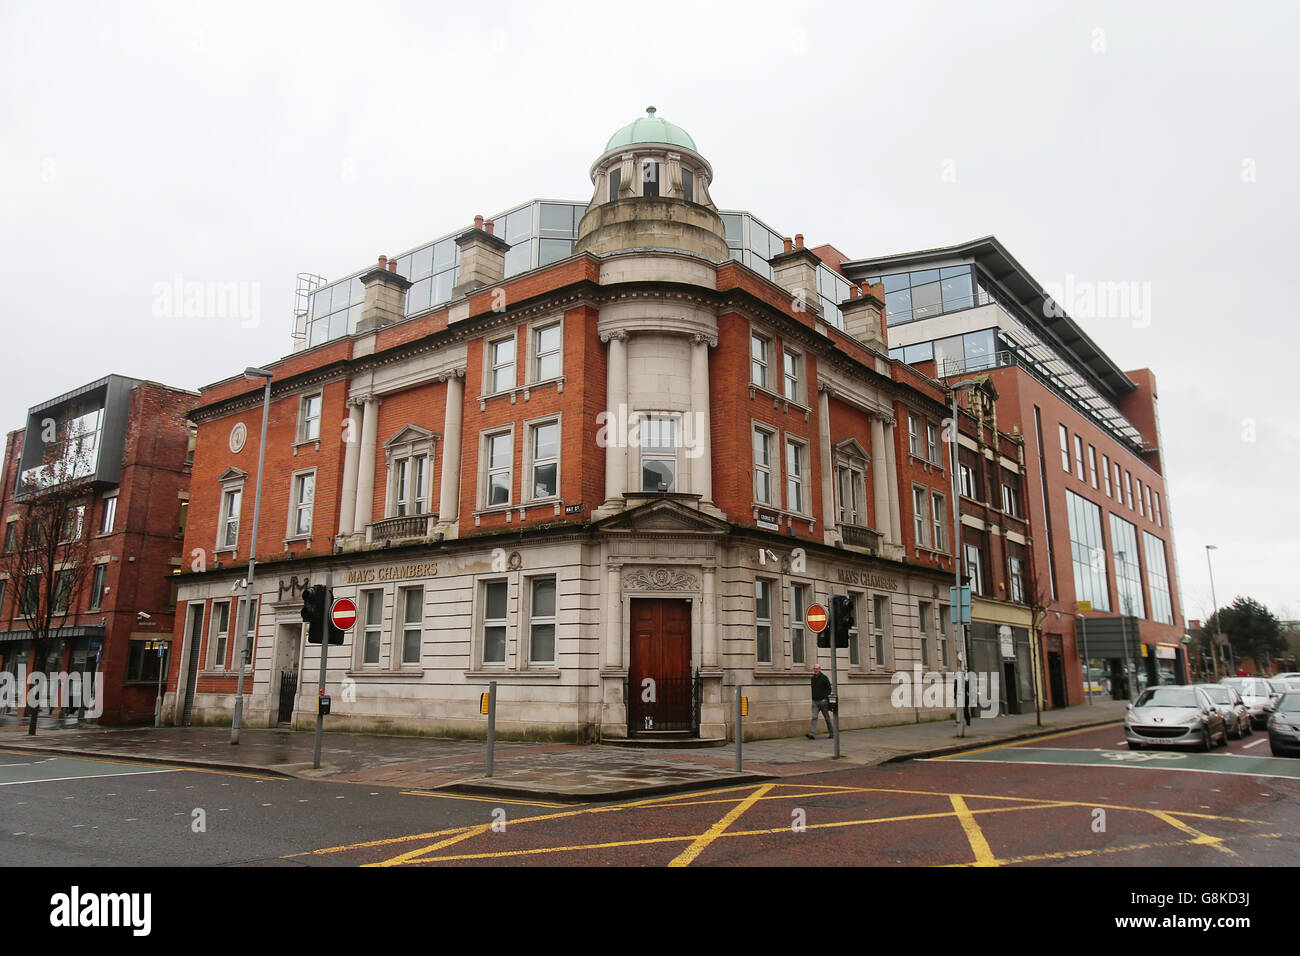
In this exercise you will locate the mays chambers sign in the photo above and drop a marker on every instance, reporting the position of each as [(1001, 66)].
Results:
[(394, 572), (866, 579)]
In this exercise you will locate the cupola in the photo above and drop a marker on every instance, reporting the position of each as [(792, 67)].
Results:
[(652, 192)]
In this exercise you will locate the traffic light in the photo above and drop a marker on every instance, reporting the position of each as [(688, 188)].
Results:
[(316, 601), (844, 618), (313, 612)]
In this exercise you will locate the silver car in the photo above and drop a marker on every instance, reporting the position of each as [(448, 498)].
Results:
[(1174, 715), (1233, 709), (1284, 726), (1258, 694)]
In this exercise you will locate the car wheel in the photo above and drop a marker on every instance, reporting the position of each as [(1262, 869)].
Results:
[(1223, 741), (1133, 746), (1275, 752), (1247, 730), (1237, 734), (1206, 743)]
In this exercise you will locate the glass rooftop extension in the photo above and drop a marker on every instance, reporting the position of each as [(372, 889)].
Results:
[(539, 232)]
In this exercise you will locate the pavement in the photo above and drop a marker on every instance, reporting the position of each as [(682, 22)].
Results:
[(565, 772)]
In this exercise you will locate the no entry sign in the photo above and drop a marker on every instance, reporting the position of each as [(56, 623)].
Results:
[(343, 614), (816, 619)]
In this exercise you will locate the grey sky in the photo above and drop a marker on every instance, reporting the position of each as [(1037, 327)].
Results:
[(239, 142)]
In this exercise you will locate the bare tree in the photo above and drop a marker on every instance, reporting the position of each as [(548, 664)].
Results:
[(46, 550)]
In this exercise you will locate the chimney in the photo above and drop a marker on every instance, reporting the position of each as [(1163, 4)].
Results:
[(795, 270), (864, 315), (482, 258), (385, 302)]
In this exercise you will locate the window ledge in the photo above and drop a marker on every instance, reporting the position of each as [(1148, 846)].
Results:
[(779, 401), (526, 390), (305, 442), (928, 464), (504, 671)]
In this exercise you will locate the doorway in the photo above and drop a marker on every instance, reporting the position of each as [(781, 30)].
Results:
[(1056, 675), (288, 647), (192, 665), (1012, 701), (661, 693)]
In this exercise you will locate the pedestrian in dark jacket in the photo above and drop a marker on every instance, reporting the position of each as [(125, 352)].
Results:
[(821, 692)]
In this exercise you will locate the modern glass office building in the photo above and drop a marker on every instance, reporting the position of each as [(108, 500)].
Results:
[(539, 232)]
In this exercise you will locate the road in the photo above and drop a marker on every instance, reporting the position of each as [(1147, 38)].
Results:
[(1074, 799)]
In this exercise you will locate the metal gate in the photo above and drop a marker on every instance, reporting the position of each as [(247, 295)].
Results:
[(675, 707), (288, 693)]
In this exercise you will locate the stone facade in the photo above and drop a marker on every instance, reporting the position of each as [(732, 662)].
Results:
[(643, 461)]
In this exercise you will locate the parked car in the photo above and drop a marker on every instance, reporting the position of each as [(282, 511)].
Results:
[(1260, 696), (1286, 684), (1284, 726), (1289, 675), (1229, 704), (1175, 715)]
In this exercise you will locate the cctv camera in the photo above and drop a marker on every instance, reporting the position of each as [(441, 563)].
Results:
[(142, 615)]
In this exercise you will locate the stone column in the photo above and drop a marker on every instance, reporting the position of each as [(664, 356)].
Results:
[(452, 422), (829, 517), (613, 617), (709, 619), (615, 424), (702, 464), (891, 460), (351, 462), (366, 471), (880, 479)]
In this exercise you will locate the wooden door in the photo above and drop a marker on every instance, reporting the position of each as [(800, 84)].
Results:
[(661, 653)]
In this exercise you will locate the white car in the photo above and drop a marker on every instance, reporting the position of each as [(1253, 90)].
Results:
[(1258, 694)]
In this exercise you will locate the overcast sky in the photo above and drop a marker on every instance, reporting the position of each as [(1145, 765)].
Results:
[(1152, 144)]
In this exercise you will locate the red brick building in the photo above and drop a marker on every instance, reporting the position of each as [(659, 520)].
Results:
[(581, 447), (1103, 555), (136, 489)]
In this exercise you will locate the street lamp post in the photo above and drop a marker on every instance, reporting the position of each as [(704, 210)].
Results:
[(1218, 620), (247, 624), (962, 659), (1130, 672), (1087, 661)]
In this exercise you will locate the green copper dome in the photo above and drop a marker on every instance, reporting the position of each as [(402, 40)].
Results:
[(651, 129)]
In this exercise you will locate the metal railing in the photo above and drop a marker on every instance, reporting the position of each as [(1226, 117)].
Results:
[(675, 707), (963, 366)]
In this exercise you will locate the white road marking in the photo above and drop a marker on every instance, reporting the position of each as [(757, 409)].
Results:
[(1256, 743), (91, 776), (132, 819), (1120, 743), (266, 804)]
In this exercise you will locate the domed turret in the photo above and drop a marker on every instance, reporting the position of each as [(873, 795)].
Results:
[(652, 192)]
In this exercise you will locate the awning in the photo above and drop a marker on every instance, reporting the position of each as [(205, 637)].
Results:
[(62, 634)]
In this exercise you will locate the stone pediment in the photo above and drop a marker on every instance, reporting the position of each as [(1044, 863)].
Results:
[(410, 434), (851, 449), (232, 474), (665, 516)]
